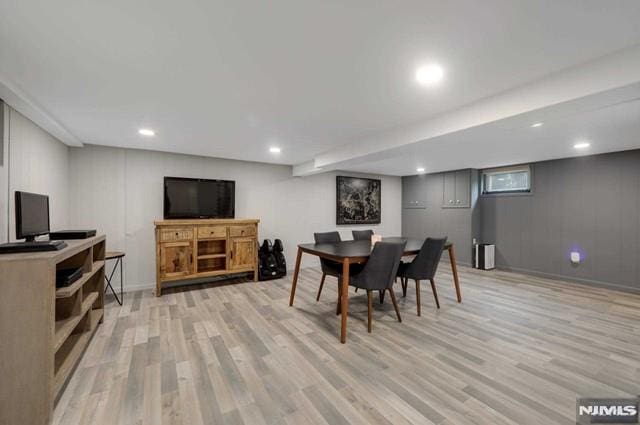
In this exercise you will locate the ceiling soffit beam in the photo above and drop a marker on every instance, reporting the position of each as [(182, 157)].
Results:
[(19, 100), (618, 69)]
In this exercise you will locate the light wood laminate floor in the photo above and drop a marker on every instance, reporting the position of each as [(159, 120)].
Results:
[(518, 350)]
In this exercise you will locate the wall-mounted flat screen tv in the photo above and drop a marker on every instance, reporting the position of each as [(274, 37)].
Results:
[(198, 198)]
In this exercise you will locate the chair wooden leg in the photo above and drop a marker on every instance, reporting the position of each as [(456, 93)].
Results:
[(395, 303), (405, 283), (381, 296), (339, 298), (435, 293), (369, 309), (418, 296), (324, 275)]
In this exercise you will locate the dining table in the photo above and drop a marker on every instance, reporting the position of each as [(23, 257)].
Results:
[(358, 252)]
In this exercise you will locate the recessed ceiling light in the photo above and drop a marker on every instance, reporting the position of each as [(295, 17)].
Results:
[(274, 149), (582, 145), (538, 124), (420, 170), (146, 132), (428, 75)]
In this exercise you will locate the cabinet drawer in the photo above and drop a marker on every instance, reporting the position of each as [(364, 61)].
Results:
[(212, 232), (176, 234), (242, 231)]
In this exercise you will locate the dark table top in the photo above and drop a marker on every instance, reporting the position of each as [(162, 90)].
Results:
[(359, 249)]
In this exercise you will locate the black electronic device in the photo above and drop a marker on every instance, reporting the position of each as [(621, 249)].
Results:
[(15, 247), (65, 277), (198, 198), (32, 215), (71, 234)]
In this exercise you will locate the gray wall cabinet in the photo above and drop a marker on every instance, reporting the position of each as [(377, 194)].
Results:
[(457, 189), (433, 220), (414, 192)]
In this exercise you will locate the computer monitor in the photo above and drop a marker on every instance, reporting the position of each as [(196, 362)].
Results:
[(32, 215)]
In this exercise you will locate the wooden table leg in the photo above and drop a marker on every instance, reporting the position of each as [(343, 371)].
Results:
[(454, 270), (344, 301), (295, 277)]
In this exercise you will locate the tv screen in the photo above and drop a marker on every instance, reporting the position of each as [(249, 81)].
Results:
[(32, 215), (198, 198)]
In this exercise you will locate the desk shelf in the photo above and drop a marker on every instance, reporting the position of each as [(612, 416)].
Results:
[(50, 328)]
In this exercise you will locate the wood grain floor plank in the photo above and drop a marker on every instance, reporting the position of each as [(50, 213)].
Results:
[(518, 350)]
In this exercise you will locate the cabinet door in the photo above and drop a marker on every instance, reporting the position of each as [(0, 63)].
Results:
[(449, 190), (463, 188), (243, 253), (414, 192), (176, 259)]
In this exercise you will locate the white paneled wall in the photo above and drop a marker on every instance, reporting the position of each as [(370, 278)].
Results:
[(35, 162), (4, 173), (120, 192)]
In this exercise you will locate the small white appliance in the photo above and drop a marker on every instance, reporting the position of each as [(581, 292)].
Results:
[(485, 256)]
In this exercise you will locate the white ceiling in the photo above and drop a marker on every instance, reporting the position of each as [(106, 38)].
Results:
[(231, 78)]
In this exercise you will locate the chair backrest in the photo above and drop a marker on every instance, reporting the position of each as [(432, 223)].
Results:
[(425, 264), (362, 235), (326, 237), (381, 268)]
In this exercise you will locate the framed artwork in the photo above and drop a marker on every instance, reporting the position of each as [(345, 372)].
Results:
[(358, 200)]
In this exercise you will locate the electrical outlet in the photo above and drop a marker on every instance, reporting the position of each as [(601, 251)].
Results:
[(575, 257)]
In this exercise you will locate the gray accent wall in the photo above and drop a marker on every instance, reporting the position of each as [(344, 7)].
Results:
[(433, 220), (590, 204)]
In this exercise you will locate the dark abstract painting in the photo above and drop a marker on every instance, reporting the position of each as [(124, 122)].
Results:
[(358, 200)]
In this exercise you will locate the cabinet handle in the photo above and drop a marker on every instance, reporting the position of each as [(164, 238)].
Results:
[(231, 252), (451, 201), (457, 201)]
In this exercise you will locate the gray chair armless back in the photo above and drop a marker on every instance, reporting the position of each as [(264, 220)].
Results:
[(424, 266), (380, 271), (362, 235), (327, 237)]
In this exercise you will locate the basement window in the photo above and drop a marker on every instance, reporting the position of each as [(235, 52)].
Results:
[(515, 179)]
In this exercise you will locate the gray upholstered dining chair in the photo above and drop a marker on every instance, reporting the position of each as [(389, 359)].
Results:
[(379, 273), (329, 267), (362, 235), (423, 267)]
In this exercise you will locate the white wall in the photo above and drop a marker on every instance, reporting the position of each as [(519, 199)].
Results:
[(4, 173), (120, 192), (35, 162)]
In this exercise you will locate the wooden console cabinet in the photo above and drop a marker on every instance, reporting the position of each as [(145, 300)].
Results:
[(187, 249), (43, 330)]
